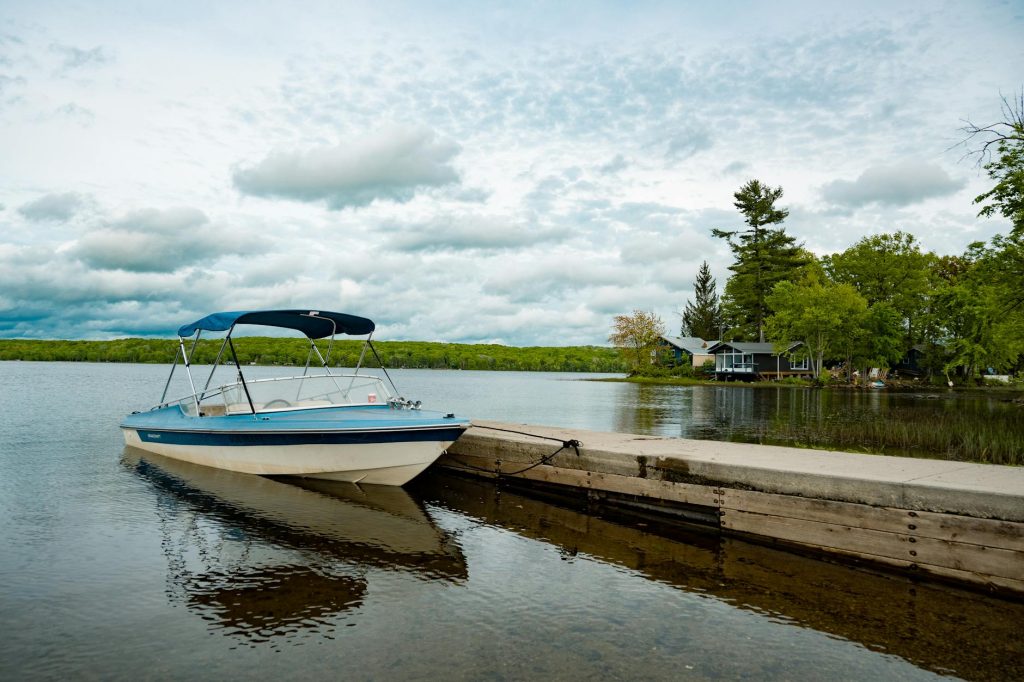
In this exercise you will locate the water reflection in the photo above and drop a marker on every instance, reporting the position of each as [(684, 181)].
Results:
[(976, 427), (260, 558), (918, 622)]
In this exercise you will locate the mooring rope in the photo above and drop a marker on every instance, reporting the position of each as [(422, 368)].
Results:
[(566, 444)]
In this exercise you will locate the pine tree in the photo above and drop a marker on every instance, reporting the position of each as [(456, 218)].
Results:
[(764, 257), (703, 317)]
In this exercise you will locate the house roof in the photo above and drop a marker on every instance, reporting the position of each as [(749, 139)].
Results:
[(751, 347), (691, 344)]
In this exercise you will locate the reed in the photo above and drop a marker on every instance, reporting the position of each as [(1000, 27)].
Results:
[(996, 437)]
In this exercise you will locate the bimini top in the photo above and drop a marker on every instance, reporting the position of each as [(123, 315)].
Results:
[(316, 324)]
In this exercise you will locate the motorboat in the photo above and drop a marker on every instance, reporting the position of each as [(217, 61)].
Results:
[(319, 424)]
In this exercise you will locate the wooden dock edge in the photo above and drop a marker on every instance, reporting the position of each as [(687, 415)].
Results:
[(986, 553)]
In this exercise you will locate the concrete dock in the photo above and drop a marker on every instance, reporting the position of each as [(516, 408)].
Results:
[(951, 520)]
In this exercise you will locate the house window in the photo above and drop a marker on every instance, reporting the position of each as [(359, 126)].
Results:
[(799, 363), (734, 361)]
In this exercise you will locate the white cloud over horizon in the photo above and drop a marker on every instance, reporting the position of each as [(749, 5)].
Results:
[(901, 184), (389, 164), (462, 173)]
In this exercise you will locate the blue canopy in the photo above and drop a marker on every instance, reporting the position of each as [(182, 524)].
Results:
[(316, 324)]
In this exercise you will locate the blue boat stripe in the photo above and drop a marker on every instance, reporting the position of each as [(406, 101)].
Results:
[(296, 437)]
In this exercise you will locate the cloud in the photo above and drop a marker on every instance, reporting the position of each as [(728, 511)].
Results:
[(10, 82), (391, 164), (76, 113), (901, 184), (462, 233), (151, 240), (686, 144), (56, 207), (735, 168), (614, 165), (76, 58)]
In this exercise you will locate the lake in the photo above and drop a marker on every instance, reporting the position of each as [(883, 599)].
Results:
[(117, 564)]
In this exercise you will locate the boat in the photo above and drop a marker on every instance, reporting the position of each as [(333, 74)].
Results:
[(319, 424)]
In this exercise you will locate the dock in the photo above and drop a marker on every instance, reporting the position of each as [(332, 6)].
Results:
[(946, 520)]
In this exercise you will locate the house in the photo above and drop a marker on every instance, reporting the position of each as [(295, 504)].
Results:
[(910, 363), (742, 361), (692, 348)]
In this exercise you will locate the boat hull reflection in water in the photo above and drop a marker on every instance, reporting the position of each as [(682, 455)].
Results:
[(261, 558)]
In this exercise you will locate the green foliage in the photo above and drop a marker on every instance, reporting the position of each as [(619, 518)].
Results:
[(345, 353), (703, 317), (890, 269), (820, 314), (879, 341), (638, 336), (763, 257), (981, 307), (1007, 167)]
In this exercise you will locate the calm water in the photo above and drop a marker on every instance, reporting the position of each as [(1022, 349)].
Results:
[(121, 565)]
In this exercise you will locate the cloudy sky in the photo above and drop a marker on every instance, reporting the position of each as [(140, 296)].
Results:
[(465, 171)]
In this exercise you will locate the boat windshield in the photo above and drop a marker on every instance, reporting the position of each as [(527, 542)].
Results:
[(290, 393)]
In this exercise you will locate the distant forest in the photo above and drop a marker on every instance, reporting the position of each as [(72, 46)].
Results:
[(284, 351)]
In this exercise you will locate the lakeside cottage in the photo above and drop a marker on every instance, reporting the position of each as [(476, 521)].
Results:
[(749, 361), (911, 363), (690, 349)]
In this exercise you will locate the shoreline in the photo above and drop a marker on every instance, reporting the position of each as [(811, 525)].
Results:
[(891, 386)]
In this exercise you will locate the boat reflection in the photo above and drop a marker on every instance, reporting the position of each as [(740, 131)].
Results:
[(260, 558), (939, 628)]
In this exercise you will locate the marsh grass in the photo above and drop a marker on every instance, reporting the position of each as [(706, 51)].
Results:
[(996, 437)]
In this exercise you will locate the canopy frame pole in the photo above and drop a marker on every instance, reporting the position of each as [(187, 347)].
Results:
[(362, 353), (385, 369), (216, 363), (330, 345), (167, 386), (309, 356), (359, 363), (327, 369), (241, 377), (188, 365)]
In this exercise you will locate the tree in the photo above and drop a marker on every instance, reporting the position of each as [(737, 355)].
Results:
[(818, 313), (1001, 150), (887, 268), (764, 256), (637, 335), (877, 342), (982, 308), (703, 317)]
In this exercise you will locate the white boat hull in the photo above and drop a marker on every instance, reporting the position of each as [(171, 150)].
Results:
[(371, 463)]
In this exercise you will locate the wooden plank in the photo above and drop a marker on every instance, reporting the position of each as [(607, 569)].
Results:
[(627, 485), (953, 527), (990, 561), (661, 490), (991, 582)]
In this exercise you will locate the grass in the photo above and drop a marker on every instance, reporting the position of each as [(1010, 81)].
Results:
[(994, 438), (692, 381)]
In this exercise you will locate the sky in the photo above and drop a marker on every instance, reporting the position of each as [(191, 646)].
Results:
[(479, 172)]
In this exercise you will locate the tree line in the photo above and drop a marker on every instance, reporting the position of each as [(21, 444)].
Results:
[(870, 304), (344, 353)]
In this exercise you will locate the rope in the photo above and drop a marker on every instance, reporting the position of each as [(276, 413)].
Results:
[(566, 444)]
